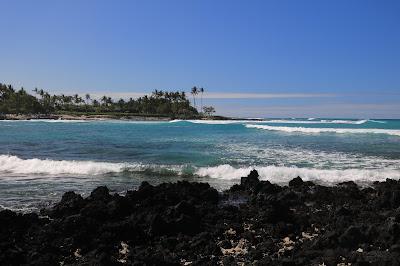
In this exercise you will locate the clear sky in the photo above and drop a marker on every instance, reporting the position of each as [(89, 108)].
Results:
[(254, 58)]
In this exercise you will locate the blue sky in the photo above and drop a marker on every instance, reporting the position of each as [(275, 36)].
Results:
[(254, 58)]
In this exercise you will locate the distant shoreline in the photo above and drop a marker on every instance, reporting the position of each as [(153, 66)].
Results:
[(96, 117)]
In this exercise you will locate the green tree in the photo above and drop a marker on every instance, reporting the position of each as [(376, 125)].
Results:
[(201, 99), (194, 92), (208, 110)]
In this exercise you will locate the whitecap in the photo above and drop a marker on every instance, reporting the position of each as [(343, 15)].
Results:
[(31, 168), (309, 130), (15, 165), (282, 174)]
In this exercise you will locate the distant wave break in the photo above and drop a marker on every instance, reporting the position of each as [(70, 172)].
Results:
[(393, 132), (280, 121)]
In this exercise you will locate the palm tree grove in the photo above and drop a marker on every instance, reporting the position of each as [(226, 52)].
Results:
[(174, 104)]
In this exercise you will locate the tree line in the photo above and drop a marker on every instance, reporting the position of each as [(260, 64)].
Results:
[(174, 103)]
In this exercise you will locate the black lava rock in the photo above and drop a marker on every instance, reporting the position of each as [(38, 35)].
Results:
[(296, 182), (251, 181), (254, 223)]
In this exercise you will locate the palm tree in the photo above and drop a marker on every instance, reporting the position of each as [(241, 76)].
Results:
[(194, 92), (121, 104), (76, 99), (202, 91), (104, 100), (87, 96)]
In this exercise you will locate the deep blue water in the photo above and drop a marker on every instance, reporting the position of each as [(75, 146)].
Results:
[(39, 160)]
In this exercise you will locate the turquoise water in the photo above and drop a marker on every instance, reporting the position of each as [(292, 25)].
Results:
[(39, 160)]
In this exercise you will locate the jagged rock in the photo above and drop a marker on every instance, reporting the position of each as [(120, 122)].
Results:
[(119, 207), (296, 182), (100, 193), (70, 204), (251, 181), (254, 223)]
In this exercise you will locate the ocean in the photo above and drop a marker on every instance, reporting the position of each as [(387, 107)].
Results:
[(42, 159)]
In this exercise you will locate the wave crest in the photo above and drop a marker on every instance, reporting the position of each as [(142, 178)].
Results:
[(282, 174), (276, 121), (276, 174), (16, 165), (309, 130)]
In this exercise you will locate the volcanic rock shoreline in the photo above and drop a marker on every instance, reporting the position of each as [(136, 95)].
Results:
[(254, 223)]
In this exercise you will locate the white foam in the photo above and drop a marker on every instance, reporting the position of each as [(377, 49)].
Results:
[(216, 122), (30, 168), (16, 165), (282, 174), (309, 130), (253, 154), (377, 121), (312, 121), (273, 121), (359, 122)]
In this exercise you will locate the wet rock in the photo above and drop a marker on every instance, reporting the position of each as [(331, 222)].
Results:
[(296, 182), (251, 181), (71, 203), (100, 194)]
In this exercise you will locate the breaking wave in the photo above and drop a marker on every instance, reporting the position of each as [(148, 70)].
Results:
[(282, 174), (350, 122), (10, 164), (275, 174), (309, 130), (16, 165), (277, 121)]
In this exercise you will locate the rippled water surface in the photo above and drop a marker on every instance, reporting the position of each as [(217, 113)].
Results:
[(39, 160)]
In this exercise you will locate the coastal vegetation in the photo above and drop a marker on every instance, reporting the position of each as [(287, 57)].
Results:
[(174, 104)]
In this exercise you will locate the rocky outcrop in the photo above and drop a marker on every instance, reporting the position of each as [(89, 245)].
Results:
[(253, 223)]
